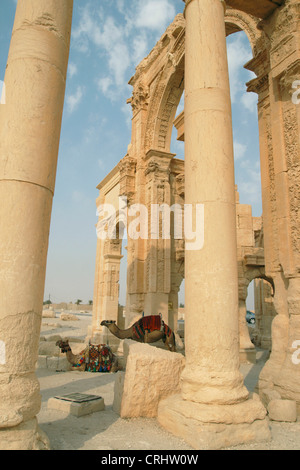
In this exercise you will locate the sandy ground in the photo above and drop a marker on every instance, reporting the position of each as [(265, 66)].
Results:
[(105, 430)]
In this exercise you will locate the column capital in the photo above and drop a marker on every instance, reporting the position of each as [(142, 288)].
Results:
[(189, 1)]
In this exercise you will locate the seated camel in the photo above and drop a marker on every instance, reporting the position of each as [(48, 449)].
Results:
[(147, 329), (94, 358)]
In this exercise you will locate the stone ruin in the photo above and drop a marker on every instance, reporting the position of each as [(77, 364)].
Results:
[(211, 407)]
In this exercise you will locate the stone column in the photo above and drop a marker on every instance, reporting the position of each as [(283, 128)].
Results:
[(158, 246), (30, 124), (136, 252), (279, 123), (95, 327), (285, 125), (211, 286), (212, 387)]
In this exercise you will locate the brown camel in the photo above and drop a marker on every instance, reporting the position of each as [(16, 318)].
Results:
[(94, 358), (147, 329)]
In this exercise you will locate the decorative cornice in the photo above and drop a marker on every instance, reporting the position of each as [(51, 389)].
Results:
[(259, 84), (291, 74)]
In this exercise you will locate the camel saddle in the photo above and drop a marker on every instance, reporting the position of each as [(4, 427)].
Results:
[(97, 358), (150, 323)]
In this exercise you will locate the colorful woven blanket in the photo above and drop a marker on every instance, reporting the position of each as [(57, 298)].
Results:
[(97, 358)]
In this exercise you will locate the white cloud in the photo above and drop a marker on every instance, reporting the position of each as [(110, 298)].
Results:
[(249, 100), (119, 61), (104, 84), (239, 53), (73, 101), (123, 43), (126, 109), (109, 38), (249, 184), (72, 69), (154, 14), (139, 48), (239, 150)]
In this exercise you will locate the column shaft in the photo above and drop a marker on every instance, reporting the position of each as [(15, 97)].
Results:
[(30, 124), (211, 332)]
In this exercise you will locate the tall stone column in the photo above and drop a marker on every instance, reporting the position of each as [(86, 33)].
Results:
[(211, 286), (212, 389), (158, 245), (30, 124), (282, 370)]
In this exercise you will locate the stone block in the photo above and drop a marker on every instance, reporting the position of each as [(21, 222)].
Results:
[(48, 348), (53, 363), (58, 364), (68, 317), (77, 409), (283, 410), (267, 395), (48, 314), (213, 427), (151, 375)]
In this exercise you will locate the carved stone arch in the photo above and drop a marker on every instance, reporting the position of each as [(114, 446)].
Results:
[(237, 20), (169, 82), (259, 273), (165, 97), (167, 108)]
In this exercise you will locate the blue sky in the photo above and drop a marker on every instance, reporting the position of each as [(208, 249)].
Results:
[(108, 41)]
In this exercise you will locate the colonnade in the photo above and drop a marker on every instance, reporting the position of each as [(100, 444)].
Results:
[(214, 408)]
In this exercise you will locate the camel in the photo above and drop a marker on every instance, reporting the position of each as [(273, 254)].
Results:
[(147, 329), (94, 358)]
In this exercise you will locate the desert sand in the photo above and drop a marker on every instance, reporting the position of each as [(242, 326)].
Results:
[(105, 430)]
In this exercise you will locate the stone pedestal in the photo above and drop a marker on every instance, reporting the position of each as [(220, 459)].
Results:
[(151, 375), (213, 427), (74, 408)]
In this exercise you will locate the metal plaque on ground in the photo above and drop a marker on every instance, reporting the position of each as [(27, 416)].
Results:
[(78, 397)]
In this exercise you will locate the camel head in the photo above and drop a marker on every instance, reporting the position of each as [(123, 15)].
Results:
[(107, 322), (63, 345)]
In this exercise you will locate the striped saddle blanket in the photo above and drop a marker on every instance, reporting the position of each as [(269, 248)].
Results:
[(150, 323)]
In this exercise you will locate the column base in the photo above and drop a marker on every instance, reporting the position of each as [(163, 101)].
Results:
[(213, 427), (247, 356), (25, 436)]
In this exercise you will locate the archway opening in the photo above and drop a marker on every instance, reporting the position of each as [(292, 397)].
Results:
[(244, 123), (177, 146)]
